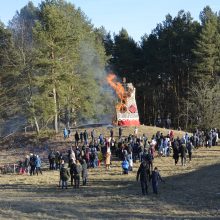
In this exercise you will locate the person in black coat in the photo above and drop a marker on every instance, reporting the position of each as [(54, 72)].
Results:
[(189, 147), (175, 152), (183, 151), (111, 133), (32, 163), (76, 138), (144, 173), (72, 167)]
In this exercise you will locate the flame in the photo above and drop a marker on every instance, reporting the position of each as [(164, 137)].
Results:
[(117, 86), (120, 91)]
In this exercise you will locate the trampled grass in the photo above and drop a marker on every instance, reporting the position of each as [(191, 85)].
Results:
[(189, 192)]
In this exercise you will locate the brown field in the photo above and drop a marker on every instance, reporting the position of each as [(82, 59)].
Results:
[(190, 192)]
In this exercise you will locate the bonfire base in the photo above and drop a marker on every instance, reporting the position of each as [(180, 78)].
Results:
[(128, 123)]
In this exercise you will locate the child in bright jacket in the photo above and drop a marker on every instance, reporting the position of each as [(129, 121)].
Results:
[(125, 166)]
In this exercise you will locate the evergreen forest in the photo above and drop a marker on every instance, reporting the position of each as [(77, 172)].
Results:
[(54, 63)]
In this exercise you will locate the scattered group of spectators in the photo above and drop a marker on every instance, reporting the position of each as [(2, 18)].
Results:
[(31, 165), (90, 150), (76, 171)]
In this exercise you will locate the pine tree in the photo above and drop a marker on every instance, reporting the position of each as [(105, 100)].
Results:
[(9, 105), (70, 61), (21, 27), (207, 65)]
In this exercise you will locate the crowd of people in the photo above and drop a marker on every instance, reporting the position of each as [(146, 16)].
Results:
[(89, 150), (30, 165)]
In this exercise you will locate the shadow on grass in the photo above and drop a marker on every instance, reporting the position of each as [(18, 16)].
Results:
[(192, 195)]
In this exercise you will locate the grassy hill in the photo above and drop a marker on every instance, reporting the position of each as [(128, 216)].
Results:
[(190, 192)]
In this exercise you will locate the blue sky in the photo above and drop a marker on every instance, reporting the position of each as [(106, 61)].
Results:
[(138, 17)]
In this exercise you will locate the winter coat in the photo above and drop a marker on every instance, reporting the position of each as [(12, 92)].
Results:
[(32, 161), (77, 169), (64, 174), (189, 147), (26, 162), (183, 150), (125, 165), (38, 162), (143, 172), (76, 136), (175, 152), (65, 132), (155, 176)]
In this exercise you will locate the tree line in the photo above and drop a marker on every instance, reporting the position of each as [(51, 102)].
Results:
[(52, 67), (53, 64), (175, 69)]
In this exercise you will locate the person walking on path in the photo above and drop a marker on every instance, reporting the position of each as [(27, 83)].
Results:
[(155, 177), (144, 173)]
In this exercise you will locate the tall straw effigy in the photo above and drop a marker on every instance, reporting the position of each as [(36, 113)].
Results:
[(126, 107)]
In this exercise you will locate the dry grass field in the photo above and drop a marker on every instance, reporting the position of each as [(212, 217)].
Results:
[(189, 192)]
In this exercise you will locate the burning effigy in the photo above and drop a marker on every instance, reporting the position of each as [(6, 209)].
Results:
[(126, 107)]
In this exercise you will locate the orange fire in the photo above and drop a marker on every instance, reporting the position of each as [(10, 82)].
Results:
[(120, 91), (117, 86)]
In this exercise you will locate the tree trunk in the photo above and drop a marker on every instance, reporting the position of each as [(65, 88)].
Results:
[(144, 110), (55, 110), (187, 115), (187, 101), (36, 125)]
